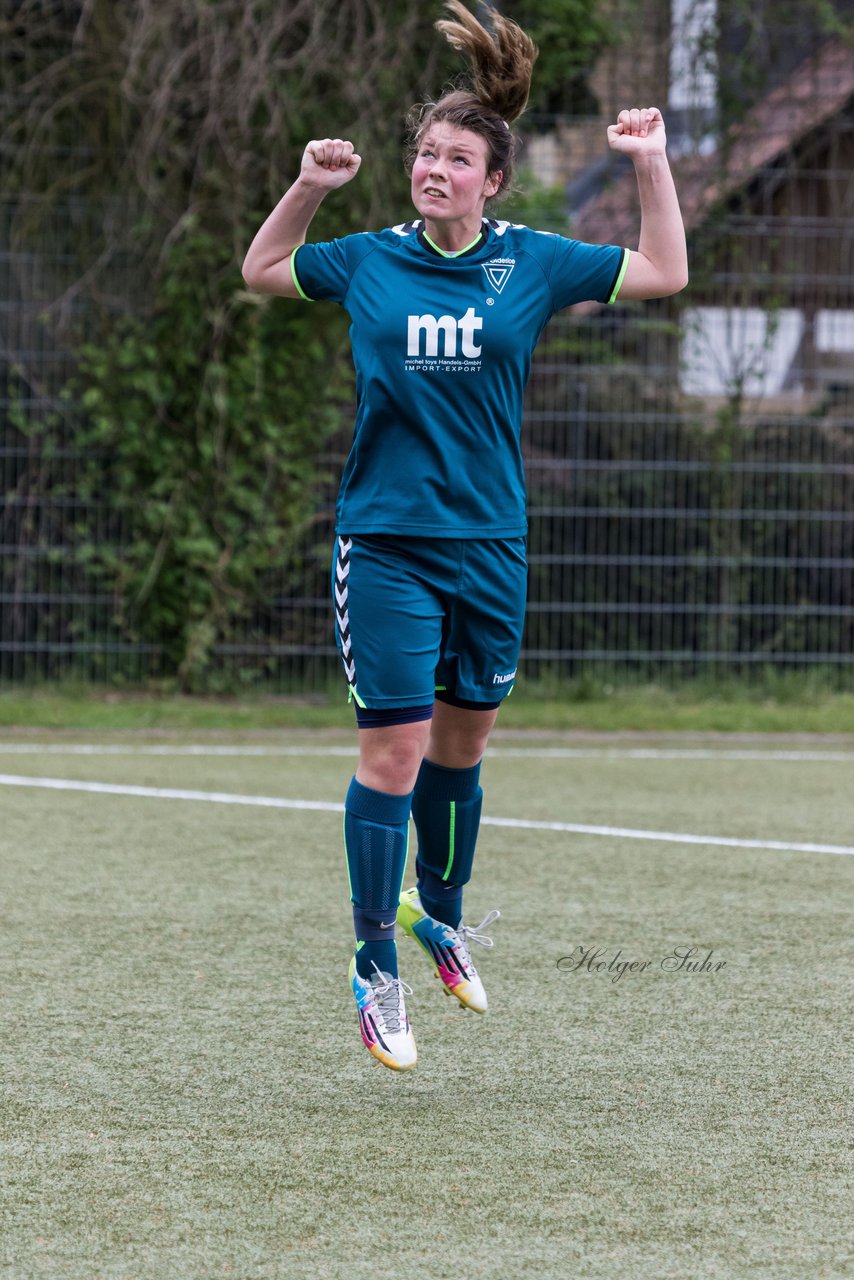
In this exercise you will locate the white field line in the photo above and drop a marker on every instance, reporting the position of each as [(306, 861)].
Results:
[(323, 806), (509, 753), (166, 793)]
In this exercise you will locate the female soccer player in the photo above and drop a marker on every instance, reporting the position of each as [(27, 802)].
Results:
[(430, 569)]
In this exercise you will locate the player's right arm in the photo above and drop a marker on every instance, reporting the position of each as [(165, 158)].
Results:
[(327, 163)]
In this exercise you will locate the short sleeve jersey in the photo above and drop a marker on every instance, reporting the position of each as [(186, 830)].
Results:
[(442, 348)]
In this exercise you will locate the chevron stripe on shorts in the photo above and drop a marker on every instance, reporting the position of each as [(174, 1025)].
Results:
[(342, 608)]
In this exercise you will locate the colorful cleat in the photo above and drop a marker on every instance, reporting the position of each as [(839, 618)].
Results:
[(382, 1018), (448, 949)]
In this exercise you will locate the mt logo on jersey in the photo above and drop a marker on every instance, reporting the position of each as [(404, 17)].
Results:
[(455, 333), (498, 272)]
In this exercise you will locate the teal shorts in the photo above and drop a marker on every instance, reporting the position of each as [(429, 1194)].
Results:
[(422, 617)]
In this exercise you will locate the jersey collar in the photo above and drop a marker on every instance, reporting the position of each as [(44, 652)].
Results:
[(476, 244)]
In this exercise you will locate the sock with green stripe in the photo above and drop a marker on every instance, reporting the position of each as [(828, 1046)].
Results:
[(446, 809), (376, 840)]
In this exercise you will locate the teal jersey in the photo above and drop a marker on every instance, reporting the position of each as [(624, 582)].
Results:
[(442, 348)]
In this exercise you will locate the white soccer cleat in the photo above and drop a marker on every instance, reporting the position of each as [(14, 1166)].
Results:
[(448, 949), (382, 1018)]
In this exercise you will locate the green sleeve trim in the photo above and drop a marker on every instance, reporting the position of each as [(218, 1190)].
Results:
[(300, 289), (627, 253)]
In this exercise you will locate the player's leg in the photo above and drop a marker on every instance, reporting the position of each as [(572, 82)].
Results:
[(477, 671), (376, 836), (388, 637), (447, 804), (446, 811), (376, 841)]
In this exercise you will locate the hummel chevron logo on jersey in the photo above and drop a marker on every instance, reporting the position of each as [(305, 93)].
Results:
[(498, 272)]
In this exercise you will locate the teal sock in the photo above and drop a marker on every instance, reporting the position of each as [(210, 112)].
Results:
[(376, 840), (446, 807)]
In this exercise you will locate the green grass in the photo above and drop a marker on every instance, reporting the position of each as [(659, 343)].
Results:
[(185, 1090), (778, 704)]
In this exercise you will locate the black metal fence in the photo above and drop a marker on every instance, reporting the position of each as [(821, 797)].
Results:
[(690, 467)]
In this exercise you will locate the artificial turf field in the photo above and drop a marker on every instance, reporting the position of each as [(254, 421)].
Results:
[(186, 1095)]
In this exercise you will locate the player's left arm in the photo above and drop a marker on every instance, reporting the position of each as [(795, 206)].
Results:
[(659, 265)]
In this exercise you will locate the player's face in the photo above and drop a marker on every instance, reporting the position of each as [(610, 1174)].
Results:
[(449, 177)]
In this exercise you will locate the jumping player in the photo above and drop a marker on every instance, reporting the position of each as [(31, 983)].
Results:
[(429, 575)]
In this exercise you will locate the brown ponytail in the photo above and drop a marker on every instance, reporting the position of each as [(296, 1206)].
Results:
[(501, 65)]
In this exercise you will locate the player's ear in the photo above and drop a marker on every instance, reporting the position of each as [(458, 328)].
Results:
[(493, 182)]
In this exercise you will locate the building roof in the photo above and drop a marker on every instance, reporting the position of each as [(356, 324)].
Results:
[(816, 92)]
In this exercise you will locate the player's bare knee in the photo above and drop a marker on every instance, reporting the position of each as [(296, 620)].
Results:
[(459, 751), (390, 758)]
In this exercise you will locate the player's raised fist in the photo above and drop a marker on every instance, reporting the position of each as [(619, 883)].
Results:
[(329, 163), (638, 131)]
